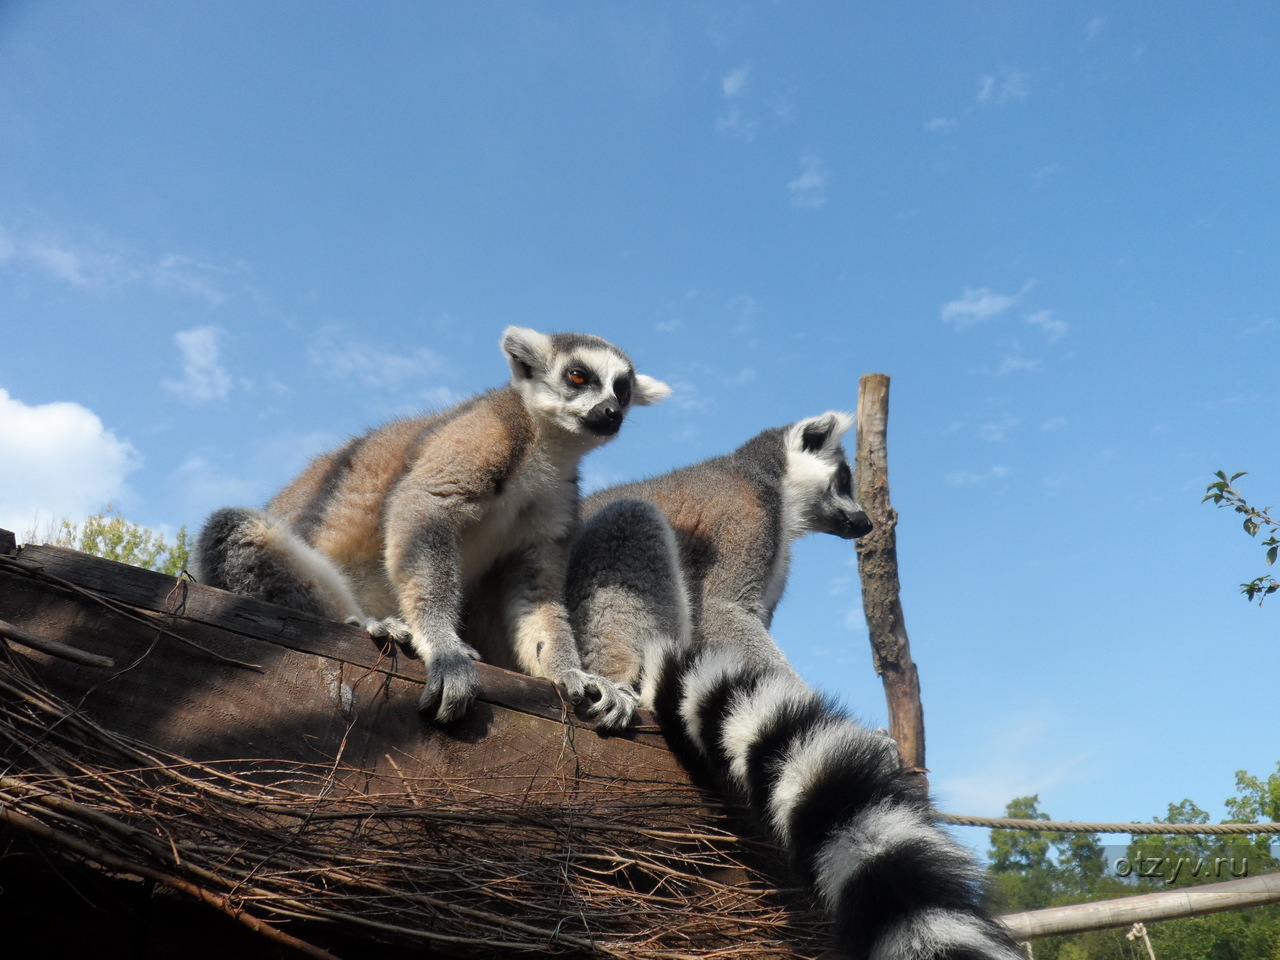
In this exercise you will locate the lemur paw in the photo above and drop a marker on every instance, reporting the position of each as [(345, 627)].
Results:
[(452, 681), (612, 705), (385, 632)]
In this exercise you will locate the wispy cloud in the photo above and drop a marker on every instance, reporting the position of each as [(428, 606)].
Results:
[(103, 265), (1053, 328), (1053, 423), (1010, 87), (1094, 28), (669, 326), (736, 121), (809, 190), (977, 306), (735, 81), (966, 478), (1039, 178), (743, 311), (994, 431), (204, 378), (60, 460), (1016, 363), (1022, 762), (941, 125), (370, 365)]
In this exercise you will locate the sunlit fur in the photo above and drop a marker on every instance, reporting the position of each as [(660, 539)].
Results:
[(830, 793), (414, 527), (833, 796)]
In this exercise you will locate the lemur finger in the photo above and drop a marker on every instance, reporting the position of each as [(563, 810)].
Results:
[(384, 632), (452, 683), (616, 709), (575, 685), (612, 705)]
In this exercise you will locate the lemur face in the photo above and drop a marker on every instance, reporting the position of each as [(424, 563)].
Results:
[(819, 480), (582, 384)]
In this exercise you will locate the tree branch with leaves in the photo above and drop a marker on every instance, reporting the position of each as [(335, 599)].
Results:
[(1223, 493)]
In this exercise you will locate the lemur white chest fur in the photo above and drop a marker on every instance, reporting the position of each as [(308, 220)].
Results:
[(539, 503)]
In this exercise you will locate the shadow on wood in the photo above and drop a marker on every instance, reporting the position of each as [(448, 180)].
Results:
[(242, 762)]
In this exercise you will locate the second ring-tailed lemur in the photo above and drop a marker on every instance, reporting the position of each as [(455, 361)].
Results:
[(396, 528), (672, 585), (707, 547)]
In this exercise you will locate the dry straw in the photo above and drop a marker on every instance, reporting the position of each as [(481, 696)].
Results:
[(570, 866)]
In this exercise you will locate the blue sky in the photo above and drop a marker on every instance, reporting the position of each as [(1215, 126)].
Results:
[(233, 234)]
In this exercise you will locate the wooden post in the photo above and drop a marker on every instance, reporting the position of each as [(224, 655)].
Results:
[(878, 568)]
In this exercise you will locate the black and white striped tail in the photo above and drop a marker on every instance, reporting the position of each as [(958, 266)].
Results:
[(833, 795)]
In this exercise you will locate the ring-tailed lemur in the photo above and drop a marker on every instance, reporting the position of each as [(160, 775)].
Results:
[(730, 521), (672, 585), (395, 528)]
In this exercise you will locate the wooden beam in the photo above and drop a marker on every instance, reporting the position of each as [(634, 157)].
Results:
[(1145, 908), (878, 568)]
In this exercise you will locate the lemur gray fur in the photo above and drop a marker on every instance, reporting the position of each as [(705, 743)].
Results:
[(702, 553), (395, 529), (672, 585)]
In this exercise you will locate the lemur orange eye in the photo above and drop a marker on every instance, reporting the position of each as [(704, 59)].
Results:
[(577, 376)]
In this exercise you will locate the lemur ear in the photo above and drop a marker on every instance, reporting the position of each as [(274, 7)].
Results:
[(821, 433), (527, 351), (647, 390)]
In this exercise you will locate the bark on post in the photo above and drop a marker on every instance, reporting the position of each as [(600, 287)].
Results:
[(878, 569)]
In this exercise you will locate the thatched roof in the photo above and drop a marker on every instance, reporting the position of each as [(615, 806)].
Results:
[(239, 760)]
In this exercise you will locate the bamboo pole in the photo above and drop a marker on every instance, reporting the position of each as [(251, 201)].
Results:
[(878, 569), (1145, 908)]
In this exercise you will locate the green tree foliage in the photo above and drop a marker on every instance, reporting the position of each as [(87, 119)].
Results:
[(1030, 870), (1224, 494), (1033, 869), (110, 535)]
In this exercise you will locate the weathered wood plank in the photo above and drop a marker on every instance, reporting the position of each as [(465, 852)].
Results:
[(206, 615), (189, 685)]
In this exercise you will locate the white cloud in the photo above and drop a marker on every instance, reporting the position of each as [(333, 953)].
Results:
[(735, 81), (966, 478), (204, 379), (1053, 329), (996, 430), (809, 190), (977, 306), (59, 461), (1094, 27), (1016, 363), (100, 265), (1011, 87), (669, 326), (1054, 423), (941, 125), (370, 365)]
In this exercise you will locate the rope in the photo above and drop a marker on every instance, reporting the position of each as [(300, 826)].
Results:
[(1068, 826)]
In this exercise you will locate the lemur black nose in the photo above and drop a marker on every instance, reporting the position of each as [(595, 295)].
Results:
[(859, 525), (605, 417)]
